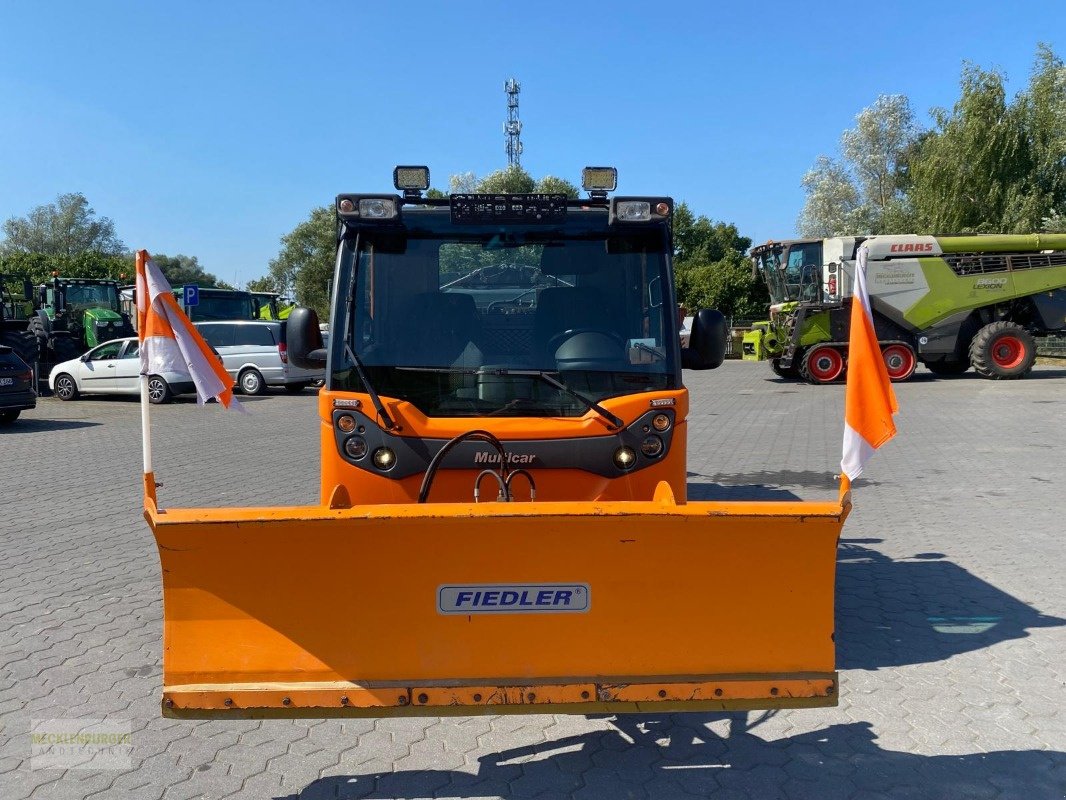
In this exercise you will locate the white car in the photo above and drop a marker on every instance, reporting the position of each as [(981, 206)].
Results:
[(113, 368)]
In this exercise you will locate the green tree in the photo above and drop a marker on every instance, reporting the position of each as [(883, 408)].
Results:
[(993, 165), (180, 270), (38, 267), (67, 227), (711, 269), (304, 266), (510, 180), (264, 284)]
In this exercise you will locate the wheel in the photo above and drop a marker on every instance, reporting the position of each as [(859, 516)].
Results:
[(24, 343), (295, 388), (822, 364), (1003, 351), (66, 387), (7, 417), (947, 367), (66, 348), (251, 382), (159, 390), (900, 361), (784, 372)]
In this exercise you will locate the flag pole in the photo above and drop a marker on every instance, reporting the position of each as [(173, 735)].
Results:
[(146, 428)]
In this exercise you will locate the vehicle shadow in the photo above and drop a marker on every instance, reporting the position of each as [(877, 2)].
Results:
[(679, 755), (766, 485), (28, 424), (891, 612)]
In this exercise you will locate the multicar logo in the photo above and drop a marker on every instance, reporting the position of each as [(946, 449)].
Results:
[(512, 458), (920, 247), (513, 598)]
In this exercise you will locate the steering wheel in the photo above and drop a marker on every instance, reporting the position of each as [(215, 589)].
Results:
[(556, 341)]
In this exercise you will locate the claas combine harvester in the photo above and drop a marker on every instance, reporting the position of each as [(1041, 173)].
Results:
[(503, 523)]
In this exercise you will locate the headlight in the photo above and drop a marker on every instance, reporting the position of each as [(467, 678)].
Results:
[(632, 211), (377, 208), (660, 422), (624, 457), (356, 447), (652, 446), (346, 422), (384, 459)]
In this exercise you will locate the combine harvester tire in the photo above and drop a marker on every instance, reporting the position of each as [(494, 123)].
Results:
[(1003, 351)]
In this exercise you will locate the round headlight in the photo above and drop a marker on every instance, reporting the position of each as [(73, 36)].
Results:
[(356, 447), (660, 422), (624, 457), (651, 446), (346, 422), (384, 459)]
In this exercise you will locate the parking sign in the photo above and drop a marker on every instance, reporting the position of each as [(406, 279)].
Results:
[(192, 295)]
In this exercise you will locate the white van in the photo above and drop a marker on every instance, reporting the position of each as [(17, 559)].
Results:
[(253, 352)]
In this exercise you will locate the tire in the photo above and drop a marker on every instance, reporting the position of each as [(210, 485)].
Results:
[(251, 382), (947, 367), (295, 388), (66, 348), (37, 331), (7, 417), (24, 343), (823, 364), (66, 388), (789, 373), (159, 390), (1003, 351), (900, 361)]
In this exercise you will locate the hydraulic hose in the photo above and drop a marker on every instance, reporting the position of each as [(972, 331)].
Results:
[(473, 436)]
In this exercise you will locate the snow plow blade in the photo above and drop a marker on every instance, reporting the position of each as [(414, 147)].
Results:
[(491, 608)]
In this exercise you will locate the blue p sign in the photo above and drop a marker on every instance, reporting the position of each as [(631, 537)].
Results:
[(192, 295)]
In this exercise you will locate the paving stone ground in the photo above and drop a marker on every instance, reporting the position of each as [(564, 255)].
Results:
[(951, 602)]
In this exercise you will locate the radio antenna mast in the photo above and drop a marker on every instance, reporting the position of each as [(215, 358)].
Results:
[(512, 128)]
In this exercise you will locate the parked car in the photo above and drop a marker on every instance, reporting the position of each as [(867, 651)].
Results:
[(113, 368), (254, 353), (17, 391)]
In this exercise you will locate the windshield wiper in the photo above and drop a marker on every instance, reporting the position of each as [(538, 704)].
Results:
[(616, 422), (378, 405)]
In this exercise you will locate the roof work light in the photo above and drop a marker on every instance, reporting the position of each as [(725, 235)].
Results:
[(597, 181), (411, 180)]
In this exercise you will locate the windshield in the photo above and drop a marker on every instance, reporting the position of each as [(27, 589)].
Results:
[(768, 263), (803, 271), (445, 318), (236, 305), (87, 295)]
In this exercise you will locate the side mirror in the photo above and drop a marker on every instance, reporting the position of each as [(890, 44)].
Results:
[(706, 342), (27, 290), (84, 357), (304, 339)]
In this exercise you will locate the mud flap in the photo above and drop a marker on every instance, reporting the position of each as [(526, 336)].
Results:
[(497, 607)]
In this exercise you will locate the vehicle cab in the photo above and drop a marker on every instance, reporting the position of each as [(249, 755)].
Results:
[(547, 322)]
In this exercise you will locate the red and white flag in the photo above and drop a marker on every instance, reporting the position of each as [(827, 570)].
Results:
[(869, 401), (171, 343)]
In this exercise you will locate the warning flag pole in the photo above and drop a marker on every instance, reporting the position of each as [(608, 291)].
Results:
[(146, 429)]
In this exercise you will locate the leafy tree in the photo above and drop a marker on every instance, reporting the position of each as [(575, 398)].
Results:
[(832, 207), (304, 266), (38, 267), (993, 165), (67, 227), (180, 270), (864, 191), (711, 269), (263, 284), (511, 180)]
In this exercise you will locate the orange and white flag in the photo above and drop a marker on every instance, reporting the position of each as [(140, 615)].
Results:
[(170, 342), (869, 401)]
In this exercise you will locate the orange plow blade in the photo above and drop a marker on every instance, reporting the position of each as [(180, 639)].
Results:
[(497, 607)]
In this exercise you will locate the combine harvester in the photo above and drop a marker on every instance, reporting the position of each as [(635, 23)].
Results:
[(949, 302), (503, 524)]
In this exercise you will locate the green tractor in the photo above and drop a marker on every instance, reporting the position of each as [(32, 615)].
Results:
[(948, 302), (76, 314), (16, 309)]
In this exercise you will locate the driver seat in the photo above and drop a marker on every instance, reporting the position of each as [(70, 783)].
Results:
[(563, 308)]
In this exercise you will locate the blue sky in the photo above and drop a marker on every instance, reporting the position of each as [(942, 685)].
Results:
[(212, 129)]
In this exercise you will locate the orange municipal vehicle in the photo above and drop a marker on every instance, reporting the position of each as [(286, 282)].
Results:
[(503, 523)]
